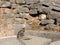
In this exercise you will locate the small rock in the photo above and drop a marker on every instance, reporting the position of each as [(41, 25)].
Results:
[(6, 16), (18, 16), (31, 6), (45, 4), (18, 20), (13, 5), (33, 12), (51, 21), (42, 17), (6, 4), (56, 8), (44, 10), (58, 21), (12, 1), (44, 22), (29, 1), (20, 1), (35, 6), (36, 1), (22, 10), (24, 15), (26, 6)]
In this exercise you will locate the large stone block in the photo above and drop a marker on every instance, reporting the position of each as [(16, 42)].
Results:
[(45, 22), (43, 9), (45, 4), (53, 15), (55, 43), (46, 34), (22, 9), (33, 41), (35, 6), (51, 27)]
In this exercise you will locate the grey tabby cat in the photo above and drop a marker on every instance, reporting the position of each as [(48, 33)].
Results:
[(20, 35)]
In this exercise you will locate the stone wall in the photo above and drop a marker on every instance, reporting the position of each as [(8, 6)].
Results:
[(35, 14)]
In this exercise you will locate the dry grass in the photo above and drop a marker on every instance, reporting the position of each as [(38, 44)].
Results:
[(36, 26)]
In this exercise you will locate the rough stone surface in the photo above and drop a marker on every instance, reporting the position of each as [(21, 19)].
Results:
[(6, 16), (55, 43), (35, 6), (45, 22), (29, 1), (45, 4), (12, 1), (20, 1), (24, 15), (42, 17), (22, 9), (51, 35), (33, 41), (13, 5), (6, 4), (58, 20), (53, 15), (56, 8), (33, 12), (51, 27)]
